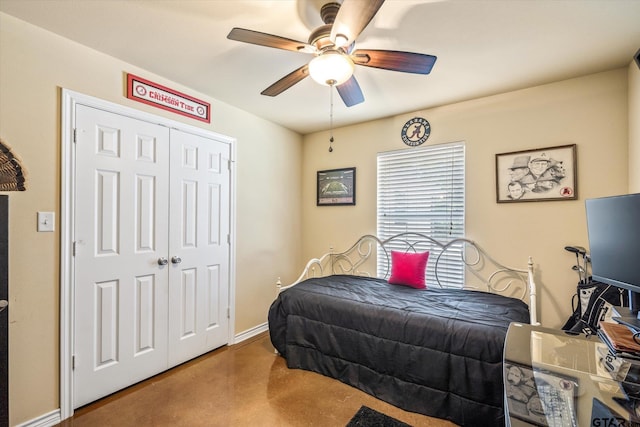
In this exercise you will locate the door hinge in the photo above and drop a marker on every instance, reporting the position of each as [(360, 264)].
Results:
[(73, 363), (75, 134), (73, 249), (229, 164), (228, 239), (228, 313)]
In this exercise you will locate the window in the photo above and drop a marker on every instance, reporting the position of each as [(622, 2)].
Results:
[(422, 190)]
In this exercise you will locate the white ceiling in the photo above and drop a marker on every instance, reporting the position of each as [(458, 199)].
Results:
[(483, 47)]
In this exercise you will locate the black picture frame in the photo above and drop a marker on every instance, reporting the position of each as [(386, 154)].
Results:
[(336, 187), (542, 174)]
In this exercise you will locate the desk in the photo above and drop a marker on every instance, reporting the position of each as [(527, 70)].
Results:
[(556, 379)]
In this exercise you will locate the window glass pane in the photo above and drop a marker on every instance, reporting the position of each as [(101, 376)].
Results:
[(422, 190)]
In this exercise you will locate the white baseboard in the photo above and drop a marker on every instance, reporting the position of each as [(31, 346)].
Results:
[(53, 417), (249, 333), (46, 420)]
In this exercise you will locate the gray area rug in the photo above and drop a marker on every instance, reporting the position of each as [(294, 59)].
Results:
[(367, 417)]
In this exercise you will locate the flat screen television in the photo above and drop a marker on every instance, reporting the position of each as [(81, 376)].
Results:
[(613, 225)]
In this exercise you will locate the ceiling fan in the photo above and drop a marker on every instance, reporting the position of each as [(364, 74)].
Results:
[(334, 53)]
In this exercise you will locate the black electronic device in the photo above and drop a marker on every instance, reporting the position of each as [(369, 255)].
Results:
[(613, 225)]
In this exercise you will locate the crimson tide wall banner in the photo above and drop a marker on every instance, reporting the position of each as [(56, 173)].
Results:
[(150, 93)]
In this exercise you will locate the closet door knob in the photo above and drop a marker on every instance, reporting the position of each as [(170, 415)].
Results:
[(176, 260), (162, 261)]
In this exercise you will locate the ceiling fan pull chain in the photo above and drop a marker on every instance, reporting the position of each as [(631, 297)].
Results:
[(330, 118)]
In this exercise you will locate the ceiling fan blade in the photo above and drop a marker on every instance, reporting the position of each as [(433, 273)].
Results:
[(350, 92), (287, 81), (407, 62), (268, 40), (352, 18)]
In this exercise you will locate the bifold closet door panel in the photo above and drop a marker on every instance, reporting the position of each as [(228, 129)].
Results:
[(121, 223), (198, 245)]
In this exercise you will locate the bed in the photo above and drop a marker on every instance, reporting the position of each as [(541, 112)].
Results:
[(437, 350)]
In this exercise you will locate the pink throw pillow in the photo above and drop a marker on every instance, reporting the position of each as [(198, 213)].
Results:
[(408, 268)]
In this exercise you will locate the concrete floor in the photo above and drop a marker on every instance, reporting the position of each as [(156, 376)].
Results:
[(241, 385)]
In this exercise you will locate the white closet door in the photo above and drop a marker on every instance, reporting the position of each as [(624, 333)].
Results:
[(121, 222), (198, 245)]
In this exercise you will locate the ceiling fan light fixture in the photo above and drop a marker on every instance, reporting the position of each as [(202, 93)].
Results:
[(331, 68), (341, 40)]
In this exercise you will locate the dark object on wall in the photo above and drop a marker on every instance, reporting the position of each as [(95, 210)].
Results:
[(415, 131), (637, 58), (4, 311), (12, 174), (336, 187)]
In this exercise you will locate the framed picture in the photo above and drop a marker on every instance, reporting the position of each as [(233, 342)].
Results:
[(336, 187), (537, 175), (540, 397)]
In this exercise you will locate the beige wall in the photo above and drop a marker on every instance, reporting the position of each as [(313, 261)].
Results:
[(634, 128), (34, 66), (590, 111)]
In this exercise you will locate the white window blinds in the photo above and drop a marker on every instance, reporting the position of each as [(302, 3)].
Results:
[(422, 190)]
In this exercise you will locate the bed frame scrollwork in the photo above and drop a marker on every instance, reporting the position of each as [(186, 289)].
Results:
[(481, 271)]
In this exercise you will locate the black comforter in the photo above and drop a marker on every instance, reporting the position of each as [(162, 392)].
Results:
[(434, 351)]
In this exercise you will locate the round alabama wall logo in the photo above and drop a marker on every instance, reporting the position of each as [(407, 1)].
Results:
[(415, 131)]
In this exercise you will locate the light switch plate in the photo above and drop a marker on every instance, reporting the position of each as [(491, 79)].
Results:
[(46, 221)]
